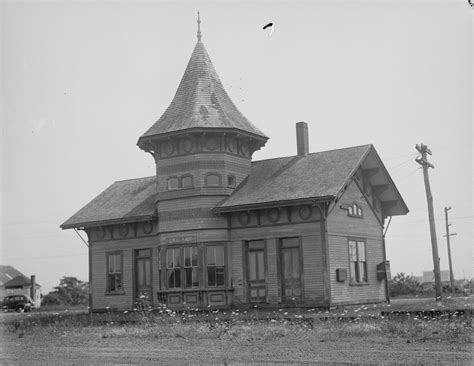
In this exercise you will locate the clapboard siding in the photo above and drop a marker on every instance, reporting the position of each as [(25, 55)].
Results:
[(313, 267), (102, 300), (199, 165), (237, 271), (272, 278), (340, 228)]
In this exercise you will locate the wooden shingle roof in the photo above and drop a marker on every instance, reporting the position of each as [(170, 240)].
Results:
[(201, 102), (313, 176), (124, 201)]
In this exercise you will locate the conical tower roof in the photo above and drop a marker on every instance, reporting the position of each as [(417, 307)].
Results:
[(201, 102)]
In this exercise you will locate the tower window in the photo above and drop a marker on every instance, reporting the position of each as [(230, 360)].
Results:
[(173, 183), (187, 181), (213, 180), (231, 181)]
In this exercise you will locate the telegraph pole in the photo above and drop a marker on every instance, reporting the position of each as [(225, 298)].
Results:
[(451, 275), (423, 161)]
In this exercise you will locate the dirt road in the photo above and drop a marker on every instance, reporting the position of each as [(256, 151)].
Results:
[(91, 345)]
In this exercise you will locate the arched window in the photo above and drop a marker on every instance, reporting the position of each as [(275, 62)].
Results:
[(186, 181), (213, 180), (173, 183)]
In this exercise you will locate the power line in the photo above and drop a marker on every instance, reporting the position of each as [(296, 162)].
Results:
[(44, 257)]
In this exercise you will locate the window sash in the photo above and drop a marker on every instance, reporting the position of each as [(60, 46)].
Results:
[(114, 273), (215, 266), (191, 266), (357, 261)]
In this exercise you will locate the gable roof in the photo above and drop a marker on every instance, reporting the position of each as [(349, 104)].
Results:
[(313, 176), (316, 176), (201, 102), (124, 201), (19, 281), (7, 273)]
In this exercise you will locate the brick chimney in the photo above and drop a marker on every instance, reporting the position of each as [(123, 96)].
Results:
[(302, 142), (33, 287)]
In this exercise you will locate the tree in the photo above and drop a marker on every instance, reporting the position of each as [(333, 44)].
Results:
[(403, 284), (70, 292)]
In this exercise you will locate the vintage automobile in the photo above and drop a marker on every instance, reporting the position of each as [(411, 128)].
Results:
[(18, 303)]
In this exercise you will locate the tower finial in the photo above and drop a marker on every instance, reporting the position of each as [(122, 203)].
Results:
[(199, 28)]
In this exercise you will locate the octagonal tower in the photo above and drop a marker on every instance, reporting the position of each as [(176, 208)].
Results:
[(202, 146)]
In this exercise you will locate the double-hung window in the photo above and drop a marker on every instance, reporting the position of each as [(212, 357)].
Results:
[(173, 267), (357, 261), (215, 266), (114, 272), (182, 267), (191, 267)]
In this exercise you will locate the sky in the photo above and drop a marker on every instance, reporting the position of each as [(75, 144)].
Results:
[(81, 81)]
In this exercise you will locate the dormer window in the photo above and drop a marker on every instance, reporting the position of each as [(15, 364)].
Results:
[(213, 180)]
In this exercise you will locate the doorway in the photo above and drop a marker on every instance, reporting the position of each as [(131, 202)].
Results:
[(143, 288), (256, 271), (291, 269)]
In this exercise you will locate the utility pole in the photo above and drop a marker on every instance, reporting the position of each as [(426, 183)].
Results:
[(451, 275), (423, 161)]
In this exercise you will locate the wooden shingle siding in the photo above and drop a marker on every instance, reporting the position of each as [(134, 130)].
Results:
[(340, 229)]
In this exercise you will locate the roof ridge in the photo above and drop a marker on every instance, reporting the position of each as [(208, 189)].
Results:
[(313, 153), (126, 180)]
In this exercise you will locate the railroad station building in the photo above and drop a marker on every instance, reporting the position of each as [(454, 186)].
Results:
[(213, 228)]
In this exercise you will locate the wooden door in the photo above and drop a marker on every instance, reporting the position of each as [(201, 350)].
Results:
[(291, 270), (256, 271), (143, 276)]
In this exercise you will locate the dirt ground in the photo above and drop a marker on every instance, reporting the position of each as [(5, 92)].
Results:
[(377, 342), (89, 345)]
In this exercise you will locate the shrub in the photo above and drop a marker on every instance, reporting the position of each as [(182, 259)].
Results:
[(70, 292), (403, 284)]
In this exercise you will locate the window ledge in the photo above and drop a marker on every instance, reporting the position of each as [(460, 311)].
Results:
[(358, 284), (174, 290), (115, 293)]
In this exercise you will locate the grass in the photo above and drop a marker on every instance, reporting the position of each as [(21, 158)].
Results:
[(250, 325)]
